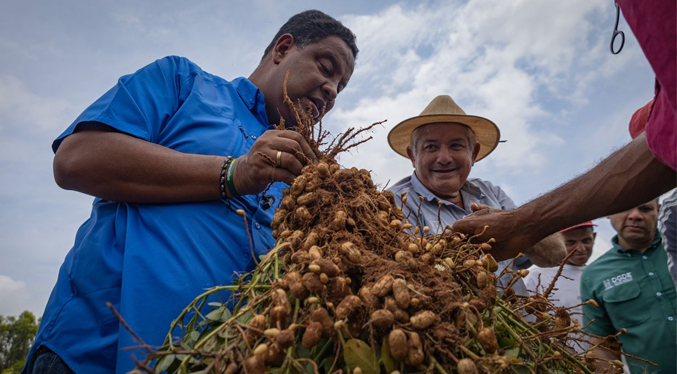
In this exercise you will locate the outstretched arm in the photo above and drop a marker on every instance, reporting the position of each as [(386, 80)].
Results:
[(629, 177), (102, 162)]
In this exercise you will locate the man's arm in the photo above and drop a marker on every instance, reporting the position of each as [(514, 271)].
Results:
[(120, 167), (627, 178), (105, 163)]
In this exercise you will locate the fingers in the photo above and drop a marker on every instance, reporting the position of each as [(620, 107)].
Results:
[(282, 175), (291, 157), (296, 145), (277, 155), (475, 207)]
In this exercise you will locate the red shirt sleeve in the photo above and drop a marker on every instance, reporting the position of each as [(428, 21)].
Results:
[(655, 27)]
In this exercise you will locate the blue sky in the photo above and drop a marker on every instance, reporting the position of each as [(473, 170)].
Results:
[(541, 70)]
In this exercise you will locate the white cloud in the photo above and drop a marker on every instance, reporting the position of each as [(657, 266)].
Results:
[(26, 112), (13, 294), (493, 58)]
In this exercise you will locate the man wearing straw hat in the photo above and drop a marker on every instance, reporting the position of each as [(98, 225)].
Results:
[(443, 143)]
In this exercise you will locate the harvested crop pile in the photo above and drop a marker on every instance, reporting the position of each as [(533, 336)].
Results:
[(354, 287)]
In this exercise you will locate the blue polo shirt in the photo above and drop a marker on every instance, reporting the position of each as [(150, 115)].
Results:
[(151, 260)]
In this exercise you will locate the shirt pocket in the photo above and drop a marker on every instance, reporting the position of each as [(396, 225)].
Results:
[(624, 305)]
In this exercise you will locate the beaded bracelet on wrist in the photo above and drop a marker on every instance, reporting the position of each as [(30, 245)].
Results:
[(230, 184), (223, 177)]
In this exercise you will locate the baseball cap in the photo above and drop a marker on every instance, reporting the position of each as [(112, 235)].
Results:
[(639, 118), (584, 224)]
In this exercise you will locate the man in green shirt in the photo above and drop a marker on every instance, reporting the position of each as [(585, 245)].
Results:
[(634, 290)]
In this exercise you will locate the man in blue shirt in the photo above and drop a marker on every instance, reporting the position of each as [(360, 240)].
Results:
[(171, 153), (443, 143)]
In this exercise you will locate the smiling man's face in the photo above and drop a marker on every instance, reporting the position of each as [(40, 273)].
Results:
[(443, 155), (582, 239)]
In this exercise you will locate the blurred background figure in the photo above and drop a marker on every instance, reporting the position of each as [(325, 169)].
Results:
[(579, 238)]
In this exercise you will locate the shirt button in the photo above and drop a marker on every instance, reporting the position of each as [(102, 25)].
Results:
[(644, 257), (253, 136), (258, 227), (659, 294), (671, 318), (651, 273)]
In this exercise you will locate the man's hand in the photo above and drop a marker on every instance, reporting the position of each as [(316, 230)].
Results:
[(261, 165), (544, 253), (509, 240)]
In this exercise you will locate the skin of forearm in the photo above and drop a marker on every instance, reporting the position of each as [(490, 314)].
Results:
[(629, 177), (547, 253), (119, 167)]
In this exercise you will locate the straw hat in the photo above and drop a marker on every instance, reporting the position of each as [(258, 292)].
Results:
[(444, 109)]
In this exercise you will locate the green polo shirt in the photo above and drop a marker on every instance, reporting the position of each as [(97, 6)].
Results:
[(634, 290)]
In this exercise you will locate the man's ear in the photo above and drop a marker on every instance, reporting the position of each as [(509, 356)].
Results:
[(594, 236), (410, 153), (282, 47), (475, 152)]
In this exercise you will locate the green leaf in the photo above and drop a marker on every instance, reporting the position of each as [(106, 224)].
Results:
[(302, 352), (327, 363), (520, 369), (215, 315), (226, 315), (506, 343), (358, 353), (388, 360), (164, 363), (245, 317), (513, 352)]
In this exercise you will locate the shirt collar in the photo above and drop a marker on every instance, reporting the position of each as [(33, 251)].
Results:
[(468, 187), (657, 240), (252, 97)]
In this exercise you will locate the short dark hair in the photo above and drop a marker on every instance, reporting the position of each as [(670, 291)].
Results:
[(312, 26)]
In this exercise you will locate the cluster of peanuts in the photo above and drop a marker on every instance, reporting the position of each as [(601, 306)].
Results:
[(327, 252), (356, 268)]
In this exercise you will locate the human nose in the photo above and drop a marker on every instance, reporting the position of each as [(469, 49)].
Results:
[(635, 215), (330, 91), (444, 156)]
